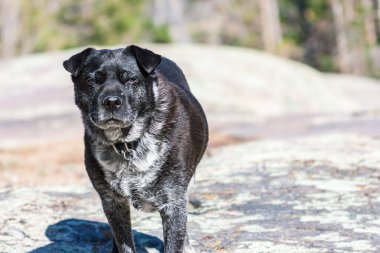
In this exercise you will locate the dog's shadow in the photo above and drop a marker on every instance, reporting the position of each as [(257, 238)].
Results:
[(75, 235)]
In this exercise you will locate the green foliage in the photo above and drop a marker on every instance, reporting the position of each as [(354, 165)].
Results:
[(104, 22), (161, 34), (309, 26), (328, 63), (76, 23), (73, 23), (289, 17), (319, 10)]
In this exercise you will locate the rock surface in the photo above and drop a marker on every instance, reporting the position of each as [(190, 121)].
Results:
[(248, 95), (237, 87), (315, 194)]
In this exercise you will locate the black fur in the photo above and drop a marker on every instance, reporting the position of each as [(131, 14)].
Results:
[(145, 133)]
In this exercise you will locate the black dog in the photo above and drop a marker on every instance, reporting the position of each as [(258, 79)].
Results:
[(145, 133)]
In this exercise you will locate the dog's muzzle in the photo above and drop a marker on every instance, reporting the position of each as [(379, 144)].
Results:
[(112, 103)]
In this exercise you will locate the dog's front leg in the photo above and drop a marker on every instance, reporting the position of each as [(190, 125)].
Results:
[(117, 211), (174, 219)]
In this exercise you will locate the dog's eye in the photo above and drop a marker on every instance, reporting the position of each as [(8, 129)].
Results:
[(132, 80), (100, 77), (126, 79)]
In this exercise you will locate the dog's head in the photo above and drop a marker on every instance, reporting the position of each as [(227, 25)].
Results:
[(113, 88)]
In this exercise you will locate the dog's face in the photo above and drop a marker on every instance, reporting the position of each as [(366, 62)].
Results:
[(113, 87)]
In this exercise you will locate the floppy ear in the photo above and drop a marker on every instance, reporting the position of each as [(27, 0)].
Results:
[(146, 59), (73, 65)]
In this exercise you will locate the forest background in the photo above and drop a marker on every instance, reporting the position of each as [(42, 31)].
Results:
[(330, 35)]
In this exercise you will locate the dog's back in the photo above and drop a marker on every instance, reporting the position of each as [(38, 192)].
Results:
[(173, 73)]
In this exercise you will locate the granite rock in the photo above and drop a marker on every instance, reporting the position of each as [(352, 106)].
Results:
[(312, 194)]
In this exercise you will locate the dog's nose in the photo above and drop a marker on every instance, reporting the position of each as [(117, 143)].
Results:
[(112, 102)]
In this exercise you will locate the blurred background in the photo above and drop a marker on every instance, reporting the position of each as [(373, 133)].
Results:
[(330, 35), (263, 69)]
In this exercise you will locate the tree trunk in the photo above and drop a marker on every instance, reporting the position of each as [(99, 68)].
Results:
[(376, 7), (270, 23), (369, 24), (343, 50), (9, 27)]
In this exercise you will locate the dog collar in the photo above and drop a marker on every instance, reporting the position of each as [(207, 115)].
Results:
[(124, 148)]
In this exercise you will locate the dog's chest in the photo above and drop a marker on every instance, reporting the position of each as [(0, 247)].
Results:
[(137, 187), (130, 181)]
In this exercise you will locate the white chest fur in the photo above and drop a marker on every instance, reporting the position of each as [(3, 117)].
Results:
[(132, 177)]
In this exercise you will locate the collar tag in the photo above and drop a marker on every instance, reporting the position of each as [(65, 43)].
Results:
[(122, 148)]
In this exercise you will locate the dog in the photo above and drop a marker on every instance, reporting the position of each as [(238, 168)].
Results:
[(144, 135)]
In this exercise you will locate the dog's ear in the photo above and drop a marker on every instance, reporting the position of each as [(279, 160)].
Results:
[(146, 59), (74, 63)]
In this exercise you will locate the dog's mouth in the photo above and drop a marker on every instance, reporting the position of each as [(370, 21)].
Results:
[(111, 122)]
